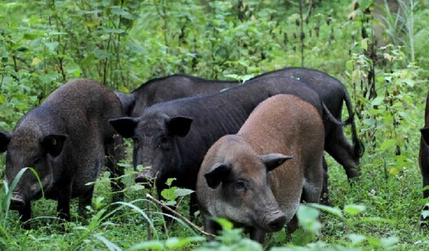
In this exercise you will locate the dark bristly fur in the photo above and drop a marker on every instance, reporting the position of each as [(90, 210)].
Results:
[(66, 140)]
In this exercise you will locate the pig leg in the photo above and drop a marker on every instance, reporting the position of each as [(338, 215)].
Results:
[(85, 200), (25, 214), (424, 170), (210, 226), (313, 182), (115, 151), (340, 149), (193, 206), (64, 197), (292, 226), (424, 166), (257, 235), (324, 198)]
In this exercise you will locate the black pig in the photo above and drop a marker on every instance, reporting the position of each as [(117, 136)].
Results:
[(66, 140)]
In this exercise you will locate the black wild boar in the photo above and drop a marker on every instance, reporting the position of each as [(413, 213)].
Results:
[(66, 140), (173, 137), (244, 177), (331, 91), (168, 88), (424, 151)]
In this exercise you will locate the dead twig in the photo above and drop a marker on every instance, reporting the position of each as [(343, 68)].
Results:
[(159, 203)]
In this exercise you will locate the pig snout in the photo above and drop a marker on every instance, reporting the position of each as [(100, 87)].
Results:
[(275, 222), (17, 202), (145, 177)]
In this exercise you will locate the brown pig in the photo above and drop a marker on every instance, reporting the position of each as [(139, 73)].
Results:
[(245, 177)]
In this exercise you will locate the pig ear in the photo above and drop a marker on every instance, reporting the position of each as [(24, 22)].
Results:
[(217, 174), (53, 144), (125, 126), (179, 125), (274, 160), (425, 134), (4, 140)]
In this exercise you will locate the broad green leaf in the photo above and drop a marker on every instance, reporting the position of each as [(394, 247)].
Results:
[(169, 193), (182, 192), (364, 44), (354, 209), (116, 10), (389, 241), (394, 171), (335, 211), (308, 218), (149, 245), (356, 238), (387, 144), (425, 214), (226, 224), (52, 46), (178, 243)]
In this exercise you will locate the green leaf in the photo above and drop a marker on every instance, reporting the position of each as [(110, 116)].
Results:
[(169, 194), (389, 241), (170, 181), (354, 209), (180, 192), (356, 238), (117, 10), (334, 211), (52, 46), (154, 245), (387, 144), (118, 31), (110, 245), (377, 101), (308, 218), (225, 224), (178, 243), (364, 44), (102, 54), (425, 214)]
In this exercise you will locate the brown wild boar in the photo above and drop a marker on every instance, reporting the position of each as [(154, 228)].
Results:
[(245, 177), (66, 140)]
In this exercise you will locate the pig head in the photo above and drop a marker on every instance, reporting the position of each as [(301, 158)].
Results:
[(237, 187), (27, 147)]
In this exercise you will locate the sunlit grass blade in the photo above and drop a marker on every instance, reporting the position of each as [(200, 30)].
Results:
[(110, 245)]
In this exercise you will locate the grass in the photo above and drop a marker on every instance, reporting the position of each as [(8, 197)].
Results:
[(394, 199)]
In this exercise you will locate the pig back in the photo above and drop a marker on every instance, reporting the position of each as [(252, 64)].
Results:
[(287, 124), (84, 103)]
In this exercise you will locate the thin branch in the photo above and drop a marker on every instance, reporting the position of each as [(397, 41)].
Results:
[(159, 203)]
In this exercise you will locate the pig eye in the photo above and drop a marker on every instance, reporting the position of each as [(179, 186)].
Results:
[(36, 160), (239, 185), (163, 142)]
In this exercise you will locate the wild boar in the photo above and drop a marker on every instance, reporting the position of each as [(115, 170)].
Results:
[(66, 140), (245, 177), (173, 137), (424, 152), (331, 91)]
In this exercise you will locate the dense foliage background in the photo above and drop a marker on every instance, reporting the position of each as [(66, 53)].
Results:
[(377, 49)]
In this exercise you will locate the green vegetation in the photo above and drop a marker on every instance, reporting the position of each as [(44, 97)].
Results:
[(124, 43)]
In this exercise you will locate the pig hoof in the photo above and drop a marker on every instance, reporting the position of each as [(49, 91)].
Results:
[(17, 202)]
